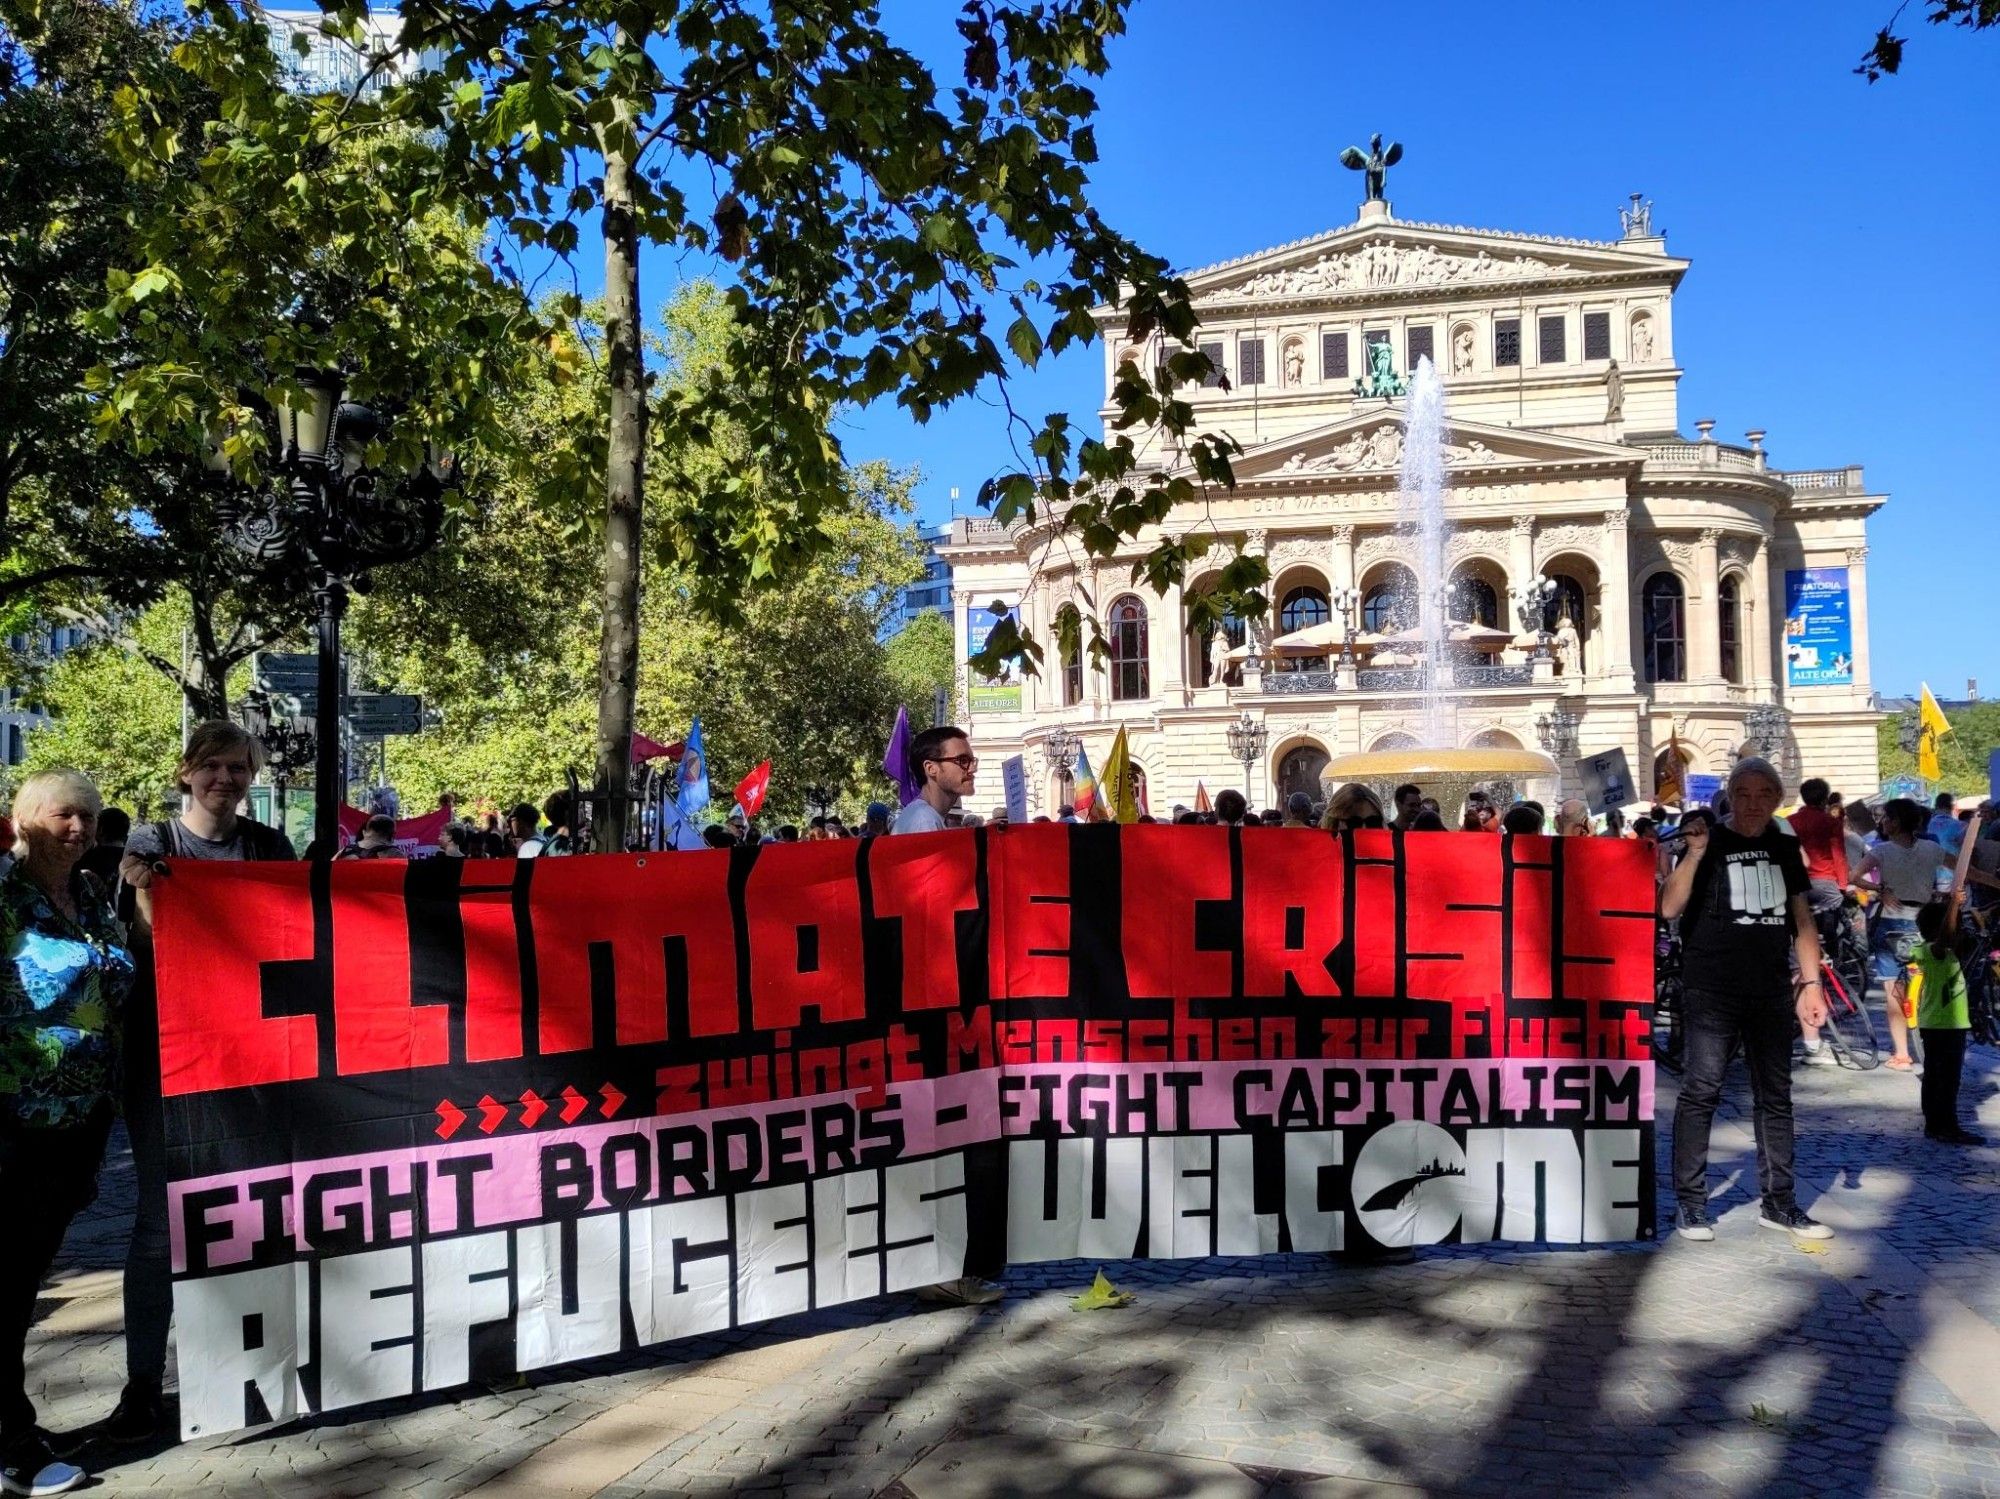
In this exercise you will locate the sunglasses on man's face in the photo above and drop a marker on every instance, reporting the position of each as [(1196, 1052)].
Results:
[(1372, 820)]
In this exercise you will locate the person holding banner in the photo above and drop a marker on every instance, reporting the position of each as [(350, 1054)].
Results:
[(945, 765), (214, 776), (1741, 895), (63, 982)]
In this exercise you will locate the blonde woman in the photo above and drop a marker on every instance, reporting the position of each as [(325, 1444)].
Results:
[(1353, 806), (65, 972)]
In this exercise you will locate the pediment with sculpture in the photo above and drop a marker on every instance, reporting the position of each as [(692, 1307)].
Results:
[(1373, 444)]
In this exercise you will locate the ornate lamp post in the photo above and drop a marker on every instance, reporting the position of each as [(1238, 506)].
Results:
[(1247, 739), (1346, 604), (326, 510), (1557, 732), (288, 751), (1060, 746), (1531, 608)]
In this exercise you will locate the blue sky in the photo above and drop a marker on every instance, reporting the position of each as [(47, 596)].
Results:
[(1842, 293), (1842, 235)]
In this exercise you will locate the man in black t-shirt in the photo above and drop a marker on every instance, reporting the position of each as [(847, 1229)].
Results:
[(1741, 895)]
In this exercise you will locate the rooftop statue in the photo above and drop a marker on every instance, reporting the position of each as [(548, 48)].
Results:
[(1380, 380), (1376, 163)]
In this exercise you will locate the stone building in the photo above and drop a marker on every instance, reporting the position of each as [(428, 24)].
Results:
[(1698, 588)]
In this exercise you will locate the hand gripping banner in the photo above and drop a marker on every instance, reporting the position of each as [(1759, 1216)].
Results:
[(443, 1121)]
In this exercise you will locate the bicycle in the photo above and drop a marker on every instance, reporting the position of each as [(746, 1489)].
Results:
[(1843, 973)]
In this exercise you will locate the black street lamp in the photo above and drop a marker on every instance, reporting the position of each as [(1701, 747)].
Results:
[(325, 509)]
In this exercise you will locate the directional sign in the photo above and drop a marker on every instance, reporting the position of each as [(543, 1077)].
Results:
[(376, 713), (279, 671)]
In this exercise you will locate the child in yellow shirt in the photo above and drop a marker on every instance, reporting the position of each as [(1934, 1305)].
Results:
[(1943, 1020)]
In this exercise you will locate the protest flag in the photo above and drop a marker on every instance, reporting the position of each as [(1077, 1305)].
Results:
[(1083, 786), (694, 773), (896, 763), (1670, 784), (751, 789), (1120, 805), (645, 748), (1932, 726), (1201, 801)]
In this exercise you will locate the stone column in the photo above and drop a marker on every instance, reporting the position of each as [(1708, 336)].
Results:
[(1615, 591), (1340, 557), (1760, 625), (1258, 632), (1521, 560), (961, 636), (1704, 621), (1857, 618), (1170, 648)]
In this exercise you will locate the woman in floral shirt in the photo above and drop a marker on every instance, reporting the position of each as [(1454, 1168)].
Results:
[(64, 972)]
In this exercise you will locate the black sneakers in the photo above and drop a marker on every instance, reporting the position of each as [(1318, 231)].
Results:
[(1794, 1221), (1958, 1136), (141, 1417), (1694, 1224)]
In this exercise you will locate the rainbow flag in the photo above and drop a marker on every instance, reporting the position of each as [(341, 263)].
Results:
[(1083, 786)]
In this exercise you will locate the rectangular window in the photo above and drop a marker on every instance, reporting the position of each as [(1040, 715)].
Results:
[(1552, 343), (1216, 374), (1597, 335), (1421, 347), (1333, 356), (1249, 361), (1506, 342)]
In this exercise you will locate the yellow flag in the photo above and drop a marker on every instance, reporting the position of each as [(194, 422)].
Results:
[(1120, 804), (1932, 726), (1670, 784)]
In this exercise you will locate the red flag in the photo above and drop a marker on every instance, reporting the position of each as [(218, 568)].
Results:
[(750, 790), (645, 748)]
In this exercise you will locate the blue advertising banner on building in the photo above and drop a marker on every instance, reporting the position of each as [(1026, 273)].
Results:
[(1819, 629), (1003, 695)]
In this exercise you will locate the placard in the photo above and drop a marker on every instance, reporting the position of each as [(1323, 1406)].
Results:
[(1819, 634)]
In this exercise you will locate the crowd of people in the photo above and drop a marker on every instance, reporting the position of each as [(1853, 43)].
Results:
[(1752, 893)]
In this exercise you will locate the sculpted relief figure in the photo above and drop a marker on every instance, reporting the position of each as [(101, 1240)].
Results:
[(1381, 263), (1642, 340), (1295, 363), (1461, 352), (1218, 658), (1568, 647)]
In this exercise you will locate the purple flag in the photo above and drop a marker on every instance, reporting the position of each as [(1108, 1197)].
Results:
[(896, 763)]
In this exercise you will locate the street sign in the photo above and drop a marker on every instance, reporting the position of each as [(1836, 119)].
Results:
[(373, 714), (287, 672)]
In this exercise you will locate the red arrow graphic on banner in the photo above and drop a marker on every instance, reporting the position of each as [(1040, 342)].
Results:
[(490, 1114), (575, 1103), (532, 1108), (450, 1117), (612, 1098)]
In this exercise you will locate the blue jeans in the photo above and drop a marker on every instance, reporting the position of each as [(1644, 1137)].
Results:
[(1891, 944)]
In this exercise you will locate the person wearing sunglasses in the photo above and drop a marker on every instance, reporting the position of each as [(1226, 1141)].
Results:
[(943, 758), (1353, 807)]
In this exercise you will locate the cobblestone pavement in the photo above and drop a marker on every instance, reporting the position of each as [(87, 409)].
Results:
[(1740, 1367)]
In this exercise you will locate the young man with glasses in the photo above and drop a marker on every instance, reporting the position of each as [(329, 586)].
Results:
[(943, 757)]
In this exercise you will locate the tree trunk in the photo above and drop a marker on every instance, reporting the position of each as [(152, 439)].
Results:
[(625, 472)]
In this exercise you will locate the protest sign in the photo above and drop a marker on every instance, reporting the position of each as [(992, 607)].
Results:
[(1014, 781), (429, 1123)]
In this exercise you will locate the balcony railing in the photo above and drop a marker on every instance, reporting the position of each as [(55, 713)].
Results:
[(1824, 480), (1703, 455), (1399, 679), (1300, 681)]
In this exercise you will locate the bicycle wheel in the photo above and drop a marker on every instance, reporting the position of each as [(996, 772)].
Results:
[(1850, 1030), (1669, 1040)]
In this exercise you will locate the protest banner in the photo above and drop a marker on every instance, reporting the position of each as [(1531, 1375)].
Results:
[(442, 1121)]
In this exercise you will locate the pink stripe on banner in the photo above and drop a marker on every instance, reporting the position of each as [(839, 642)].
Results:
[(1063, 1097)]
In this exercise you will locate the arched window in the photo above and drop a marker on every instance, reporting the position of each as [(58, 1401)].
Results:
[(1131, 676), (1729, 627), (1569, 598), (1070, 623), (1390, 604), (1474, 601), (1302, 608), (1663, 618)]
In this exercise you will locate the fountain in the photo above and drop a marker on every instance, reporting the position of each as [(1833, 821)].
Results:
[(1443, 771)]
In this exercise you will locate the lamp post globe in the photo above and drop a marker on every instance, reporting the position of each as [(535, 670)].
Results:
[(1247, 739)]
